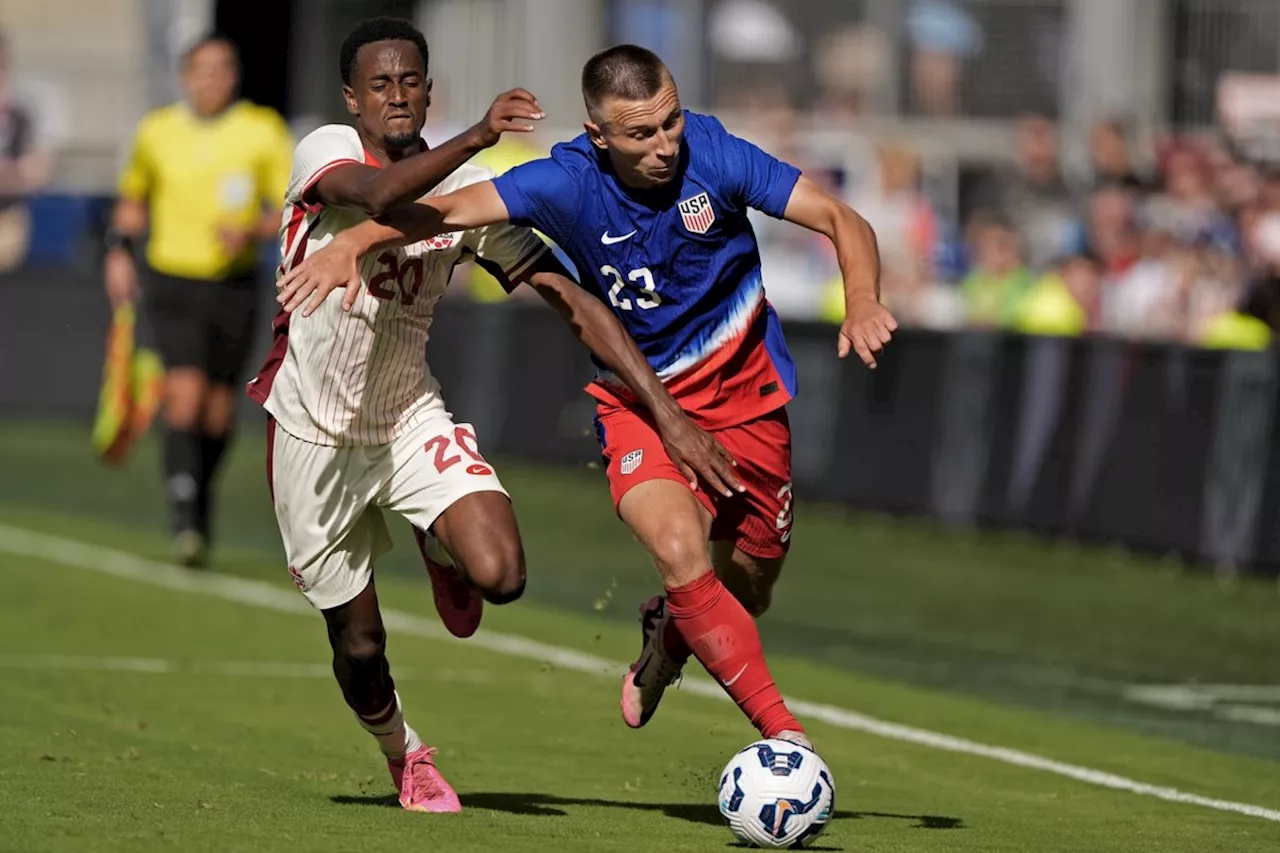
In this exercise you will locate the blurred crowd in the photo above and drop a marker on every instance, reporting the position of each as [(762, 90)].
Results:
[(1186, 251)]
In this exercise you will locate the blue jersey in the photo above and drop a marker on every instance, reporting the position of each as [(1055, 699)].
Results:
[(678, 264)]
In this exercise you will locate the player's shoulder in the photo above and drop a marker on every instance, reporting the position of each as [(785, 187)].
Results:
[(463, 176), (705, 126), (576, 156), (328, 137)]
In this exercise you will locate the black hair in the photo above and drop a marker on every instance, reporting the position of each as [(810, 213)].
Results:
[(374, 30), (212, 37), (627, 71)]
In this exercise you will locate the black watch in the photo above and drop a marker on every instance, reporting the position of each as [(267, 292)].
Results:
[(116, 239)]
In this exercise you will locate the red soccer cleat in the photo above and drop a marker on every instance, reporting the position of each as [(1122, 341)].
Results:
[(459, 604)]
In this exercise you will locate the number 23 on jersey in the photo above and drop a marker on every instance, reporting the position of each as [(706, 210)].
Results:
[(640, 280)]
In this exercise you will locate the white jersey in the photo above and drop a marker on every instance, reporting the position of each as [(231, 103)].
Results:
[(361, 377)]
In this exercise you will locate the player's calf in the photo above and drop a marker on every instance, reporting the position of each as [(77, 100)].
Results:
[(751, 579)]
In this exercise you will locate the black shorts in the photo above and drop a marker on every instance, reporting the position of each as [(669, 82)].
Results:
[(208, 324)]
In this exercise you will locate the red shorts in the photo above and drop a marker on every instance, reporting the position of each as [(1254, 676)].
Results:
[(758, 521)]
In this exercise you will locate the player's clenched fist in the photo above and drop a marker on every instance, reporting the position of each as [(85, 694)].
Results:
[(867, 327), (515, 110)]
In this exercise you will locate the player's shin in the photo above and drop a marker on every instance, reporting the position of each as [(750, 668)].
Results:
[(723, 637)]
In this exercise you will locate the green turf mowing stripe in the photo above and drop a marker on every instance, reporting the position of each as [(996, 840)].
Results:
[(69, 552)]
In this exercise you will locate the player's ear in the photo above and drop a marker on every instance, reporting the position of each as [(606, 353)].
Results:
[(349, 95), (595, 134), (428, 86)]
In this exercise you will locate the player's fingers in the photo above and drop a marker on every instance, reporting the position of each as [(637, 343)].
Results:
[(522, 94), (724, 470), (318, 297), (864, 352), (295, 295), (515, 126), (349, 298), (712, 477), (842, 344), (688, 472), (884, 333)]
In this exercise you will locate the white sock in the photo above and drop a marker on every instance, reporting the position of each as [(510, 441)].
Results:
[(395, 738)]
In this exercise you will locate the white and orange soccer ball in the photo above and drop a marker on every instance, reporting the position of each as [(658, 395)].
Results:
[(777, 794)]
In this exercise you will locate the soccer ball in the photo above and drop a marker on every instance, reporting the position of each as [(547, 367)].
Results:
[(777, 794)]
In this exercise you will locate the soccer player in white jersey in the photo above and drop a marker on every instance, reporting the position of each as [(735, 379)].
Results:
[(357, 423)]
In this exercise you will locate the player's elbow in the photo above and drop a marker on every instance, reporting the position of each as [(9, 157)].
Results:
[(374, 202)]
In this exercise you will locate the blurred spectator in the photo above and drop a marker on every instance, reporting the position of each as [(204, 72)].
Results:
[(1064, 302), (996, 287), (942, 34), (1111, 157), (25, 168), (1035, 196), (906, 229)]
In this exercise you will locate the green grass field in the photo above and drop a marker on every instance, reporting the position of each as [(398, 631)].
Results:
[(147, 708)]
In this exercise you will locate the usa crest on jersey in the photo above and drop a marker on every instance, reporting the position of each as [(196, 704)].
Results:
[(697, 213)]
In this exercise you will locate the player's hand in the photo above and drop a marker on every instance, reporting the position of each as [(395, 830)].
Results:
[(121, 275), (697, 453), (867, 327), (309, 284), (513, 111)]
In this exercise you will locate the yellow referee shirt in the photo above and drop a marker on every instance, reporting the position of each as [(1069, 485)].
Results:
[(201, 175)]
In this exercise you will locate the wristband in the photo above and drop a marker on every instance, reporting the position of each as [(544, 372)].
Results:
[(117, 239)]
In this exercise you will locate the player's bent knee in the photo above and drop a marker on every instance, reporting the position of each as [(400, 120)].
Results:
[(680, 555), (499, 572)]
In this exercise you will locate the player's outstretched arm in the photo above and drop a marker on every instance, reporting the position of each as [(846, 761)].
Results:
[(695, 452), (337, 265), (868, 325), (377, 191)]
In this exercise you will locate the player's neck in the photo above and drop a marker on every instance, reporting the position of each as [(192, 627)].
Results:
[(384, 153)]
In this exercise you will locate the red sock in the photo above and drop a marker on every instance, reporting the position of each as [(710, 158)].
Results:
[(723, 637)]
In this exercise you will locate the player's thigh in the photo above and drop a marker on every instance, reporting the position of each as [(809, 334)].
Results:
[(232, 324), (653, 498), (765, 514), (331, 530)]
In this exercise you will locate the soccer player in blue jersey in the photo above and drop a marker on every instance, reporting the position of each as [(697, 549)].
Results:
[(651, 206)]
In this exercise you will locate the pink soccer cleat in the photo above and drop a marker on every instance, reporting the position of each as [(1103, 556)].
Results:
[(422, 788), (459, 604), (653, 672)]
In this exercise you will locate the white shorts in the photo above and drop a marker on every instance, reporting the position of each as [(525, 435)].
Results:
[(329, 500)]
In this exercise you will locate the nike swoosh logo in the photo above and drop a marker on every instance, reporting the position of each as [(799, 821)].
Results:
[(610, 240), (734, 680)]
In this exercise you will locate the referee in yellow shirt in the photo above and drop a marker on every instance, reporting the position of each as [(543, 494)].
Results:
[(206, 177)]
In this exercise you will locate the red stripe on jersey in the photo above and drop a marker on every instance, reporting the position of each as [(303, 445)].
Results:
[(259, 387)]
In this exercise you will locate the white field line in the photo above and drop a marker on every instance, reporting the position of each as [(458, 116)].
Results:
[(69, 552), (235, 669)]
